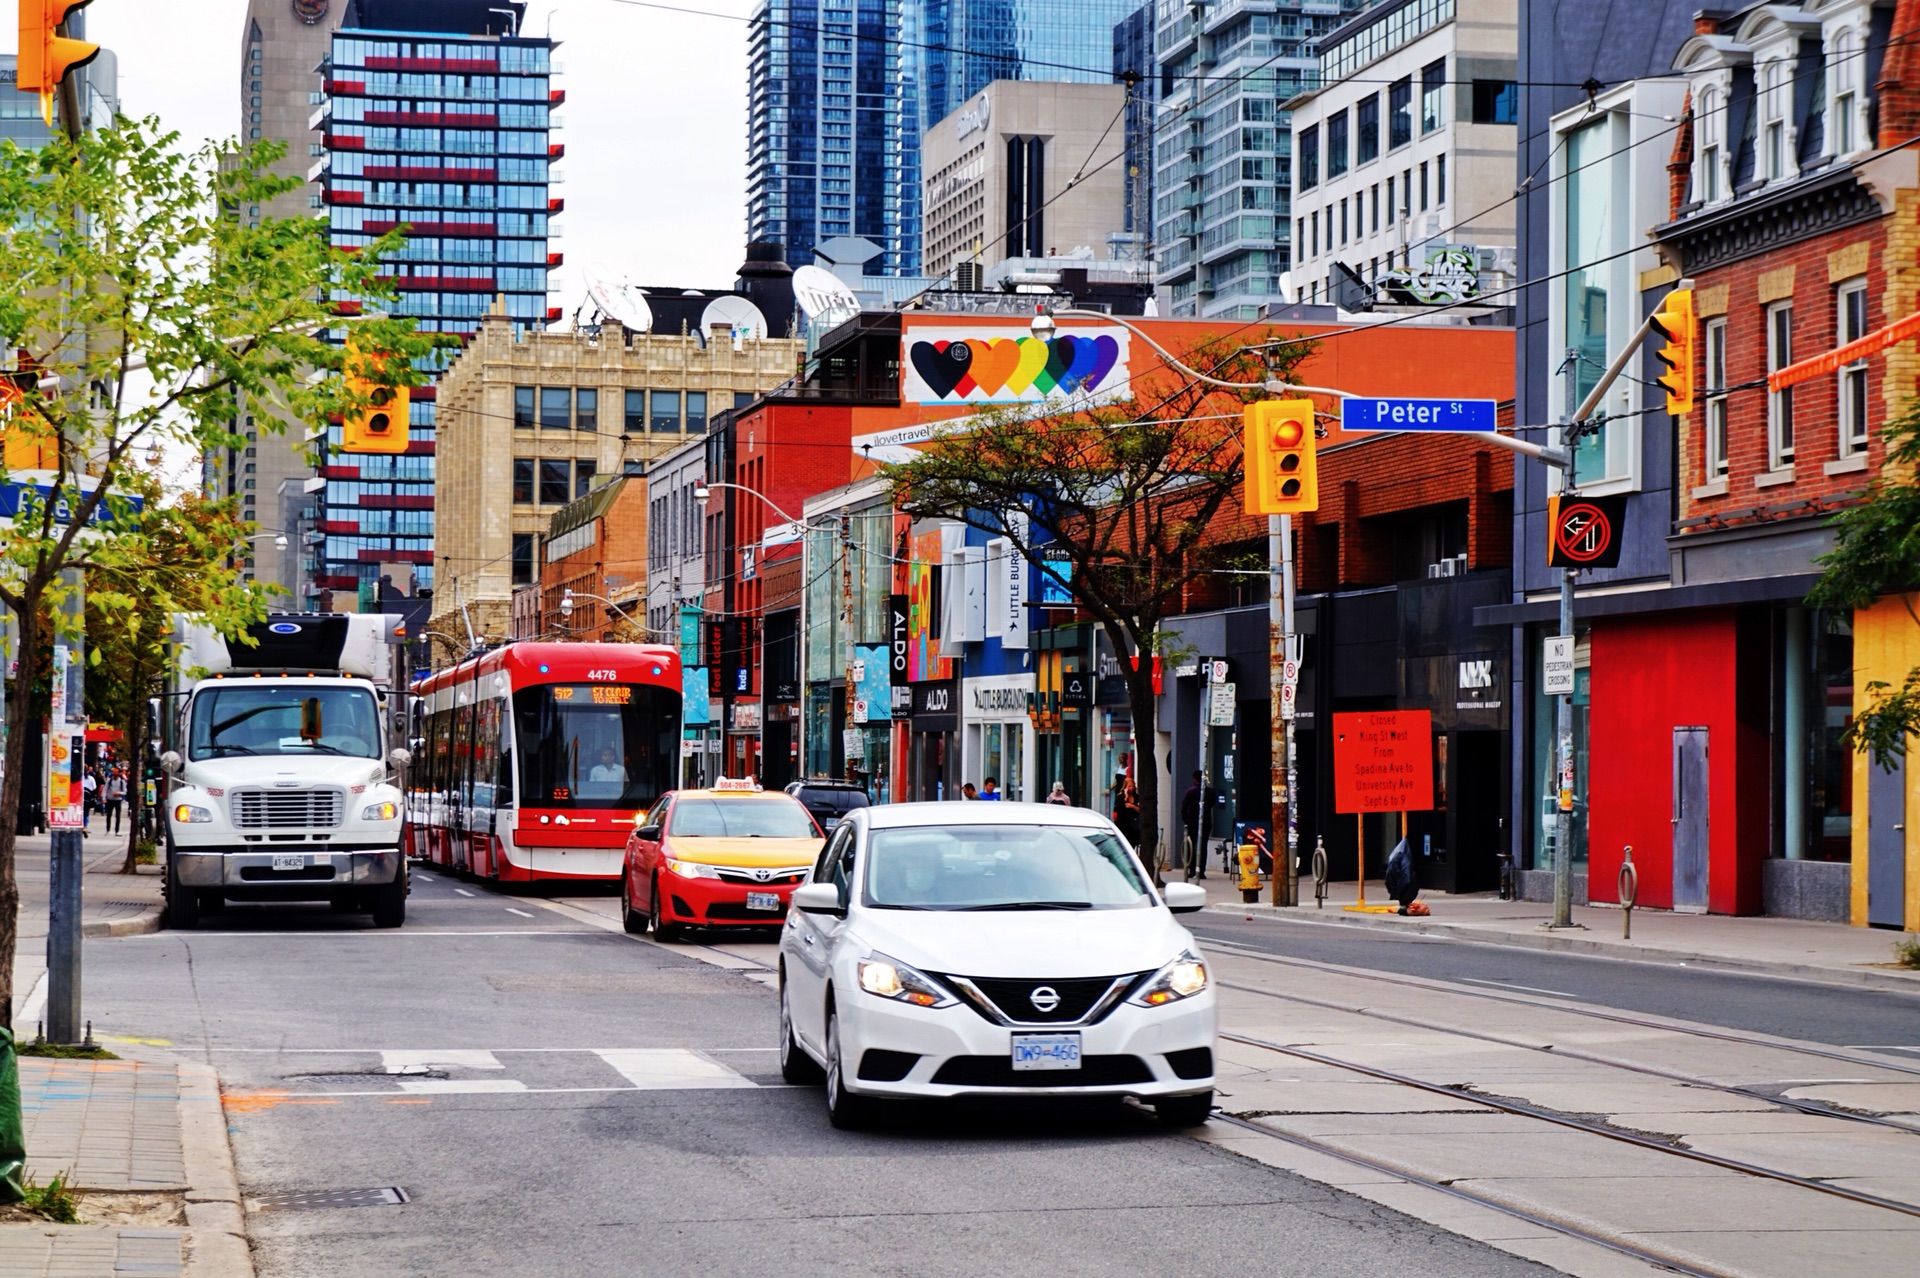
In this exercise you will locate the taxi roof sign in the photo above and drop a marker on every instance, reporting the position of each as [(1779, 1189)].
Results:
[(736, 785)]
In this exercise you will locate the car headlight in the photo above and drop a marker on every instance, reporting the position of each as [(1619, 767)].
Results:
[(890, 978), (1182, 978), (380, 811), (692, 869), (188, 814)]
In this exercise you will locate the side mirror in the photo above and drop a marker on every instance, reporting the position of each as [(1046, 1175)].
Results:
[(1184, 898), (399, 756), (651, 833), (170, 763), (818, 898)]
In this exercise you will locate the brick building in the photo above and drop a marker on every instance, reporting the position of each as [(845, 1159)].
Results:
[(1798, 226), (596, 548)]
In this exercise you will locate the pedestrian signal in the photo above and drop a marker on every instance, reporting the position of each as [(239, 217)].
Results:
[(1282, 471), (1673, 325)]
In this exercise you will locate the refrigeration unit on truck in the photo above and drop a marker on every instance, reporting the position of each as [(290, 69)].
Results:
[(283, 778)]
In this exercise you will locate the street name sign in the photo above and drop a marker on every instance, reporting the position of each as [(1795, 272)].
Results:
[(1418, 414), (1383, 761)]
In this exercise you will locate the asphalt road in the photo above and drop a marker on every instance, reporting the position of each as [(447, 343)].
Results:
[(557, 1099), (1839, 1015)]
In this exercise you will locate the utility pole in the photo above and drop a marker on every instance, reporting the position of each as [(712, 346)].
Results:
[(1282, 651), (1563, 704), (848, 731)]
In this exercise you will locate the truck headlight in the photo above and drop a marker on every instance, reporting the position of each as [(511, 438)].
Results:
[(188, 814), (380, 811), (1182, 978)]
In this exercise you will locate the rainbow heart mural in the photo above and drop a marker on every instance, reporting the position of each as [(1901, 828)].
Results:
[(972, 364)]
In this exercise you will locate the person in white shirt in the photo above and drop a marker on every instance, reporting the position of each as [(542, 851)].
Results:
[(609, 769)]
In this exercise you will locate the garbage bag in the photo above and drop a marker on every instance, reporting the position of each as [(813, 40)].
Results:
[(1403, 885), (13, 1136)]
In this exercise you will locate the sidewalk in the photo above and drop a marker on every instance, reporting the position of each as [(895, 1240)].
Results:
[(1831, 952), (144, 1137)]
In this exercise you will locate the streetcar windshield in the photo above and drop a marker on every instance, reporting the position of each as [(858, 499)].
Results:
[(595, 745), (232, 719)]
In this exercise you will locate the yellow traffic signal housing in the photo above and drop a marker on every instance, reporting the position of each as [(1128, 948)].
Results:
[(375, 420), (45, 55), (26, 442), (1673, 324), (1282, 468)]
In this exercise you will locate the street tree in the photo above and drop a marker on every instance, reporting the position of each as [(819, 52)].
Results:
[(1127, 495), (1877, 553), (176, 558), (145, 297)]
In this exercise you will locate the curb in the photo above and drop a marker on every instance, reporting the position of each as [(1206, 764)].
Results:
[(1534, 940), (217, 1234), (148, 920)]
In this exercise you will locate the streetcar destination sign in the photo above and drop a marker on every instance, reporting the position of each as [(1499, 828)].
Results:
[(1417, 414)]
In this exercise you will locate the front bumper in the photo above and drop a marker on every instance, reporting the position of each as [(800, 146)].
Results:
[(719, 902), (324, 868), (1132, 1051)]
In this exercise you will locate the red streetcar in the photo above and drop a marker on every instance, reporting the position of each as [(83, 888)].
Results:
[(532, 760)]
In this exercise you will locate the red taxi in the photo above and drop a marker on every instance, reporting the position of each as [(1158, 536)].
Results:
[(730, 856)]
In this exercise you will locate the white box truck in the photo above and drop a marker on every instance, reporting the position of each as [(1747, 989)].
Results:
[(282, 780)]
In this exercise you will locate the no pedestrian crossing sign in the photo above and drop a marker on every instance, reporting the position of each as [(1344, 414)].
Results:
[(1418, 414)]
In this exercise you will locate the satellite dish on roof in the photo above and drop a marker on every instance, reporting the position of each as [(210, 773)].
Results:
[(735, 317), (621, 300), (822, 295)]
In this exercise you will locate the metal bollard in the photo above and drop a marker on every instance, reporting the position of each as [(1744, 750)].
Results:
[(1629, 888), (1319, 874)]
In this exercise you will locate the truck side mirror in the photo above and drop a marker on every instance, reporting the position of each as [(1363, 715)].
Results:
[(170, 763), (399, 756)]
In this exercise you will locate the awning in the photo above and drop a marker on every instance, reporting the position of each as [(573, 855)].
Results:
[(1628, 603)]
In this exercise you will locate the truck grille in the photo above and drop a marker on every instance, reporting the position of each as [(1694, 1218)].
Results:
[(302, 809)]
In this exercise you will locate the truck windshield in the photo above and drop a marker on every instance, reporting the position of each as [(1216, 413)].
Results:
[(233, 719)]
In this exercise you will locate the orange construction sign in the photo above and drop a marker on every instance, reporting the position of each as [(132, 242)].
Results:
[(1383, 761)]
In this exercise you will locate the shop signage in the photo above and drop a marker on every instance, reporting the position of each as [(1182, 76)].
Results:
[(1000, 700), (784, 690), (1478, 682), (1056, 578), (1586, 531), (897, 639), (1076, 688), (1004, 363), (933, 698), (746, 716), (694, 707), (1383, 761)]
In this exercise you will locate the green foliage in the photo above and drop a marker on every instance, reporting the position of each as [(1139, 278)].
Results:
[(65, 1051), (1906, 952), (1876, 553), (53, 1200)]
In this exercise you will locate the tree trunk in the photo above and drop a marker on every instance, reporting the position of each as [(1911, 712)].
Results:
[(136, 734), (20, 737)]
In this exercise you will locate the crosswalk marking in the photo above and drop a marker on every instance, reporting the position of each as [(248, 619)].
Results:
[(456, 1086), (671, 1069), (412, 1062)]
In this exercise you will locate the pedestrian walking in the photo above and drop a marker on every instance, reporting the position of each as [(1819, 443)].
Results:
[(990, 790), (89, 798), (1126, 808), (114, 798), (1058, 795), (967, 791)]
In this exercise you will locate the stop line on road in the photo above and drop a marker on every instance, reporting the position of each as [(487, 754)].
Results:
[(410, 1072)]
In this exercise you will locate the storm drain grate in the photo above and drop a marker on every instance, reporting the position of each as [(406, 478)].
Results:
[(328, 1199)]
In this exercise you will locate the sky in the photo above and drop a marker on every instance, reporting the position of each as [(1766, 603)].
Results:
[(654, 123)]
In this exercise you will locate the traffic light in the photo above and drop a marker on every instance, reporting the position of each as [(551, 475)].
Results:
[(1673, 324), (26, 442), (375, 420), (1282, 474), (45, 55)]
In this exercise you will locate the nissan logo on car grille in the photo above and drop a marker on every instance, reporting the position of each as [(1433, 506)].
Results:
[(1044, 998)]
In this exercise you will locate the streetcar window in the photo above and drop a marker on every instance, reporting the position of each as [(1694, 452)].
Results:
[(595, 745)]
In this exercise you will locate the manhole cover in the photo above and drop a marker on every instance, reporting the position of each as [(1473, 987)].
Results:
[(327, 1199)]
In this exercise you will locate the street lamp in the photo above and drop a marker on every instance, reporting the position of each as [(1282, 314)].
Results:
[(568, 595)]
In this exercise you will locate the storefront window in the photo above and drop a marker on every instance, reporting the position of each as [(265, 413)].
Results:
[(1545, 789), (1002, 756), (1828, 829), (819, 710)]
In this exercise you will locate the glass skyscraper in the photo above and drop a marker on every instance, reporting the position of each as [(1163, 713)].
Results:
[(826, 129), (436, 117)]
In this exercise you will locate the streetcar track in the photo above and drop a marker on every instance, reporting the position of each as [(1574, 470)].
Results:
[(1521, 1109), (1455, 1191), (1438, 986)]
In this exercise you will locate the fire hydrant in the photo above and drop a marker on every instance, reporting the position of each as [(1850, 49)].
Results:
[(1249, 872)]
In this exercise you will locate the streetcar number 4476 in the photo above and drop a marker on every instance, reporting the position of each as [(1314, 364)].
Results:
[(603, 674)]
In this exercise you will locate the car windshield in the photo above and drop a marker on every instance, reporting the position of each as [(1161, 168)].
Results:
[(696, 818), (233, 719), (1002, 867)]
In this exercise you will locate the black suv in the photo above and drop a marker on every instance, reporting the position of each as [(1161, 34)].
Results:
[(828, 800)]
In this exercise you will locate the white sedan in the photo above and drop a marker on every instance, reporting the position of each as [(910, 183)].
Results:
[(968, 949)]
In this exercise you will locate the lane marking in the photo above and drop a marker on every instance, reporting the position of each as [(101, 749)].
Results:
[(522, 913), (463, 892), (460, 1086), (247, 1101), (372, 934), (424, 878), (408, 1062), (1506, 985), (671, 1069), (1857, 1047)]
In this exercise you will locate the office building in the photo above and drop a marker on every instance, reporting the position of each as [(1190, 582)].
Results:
[(1223, 166), (1402, 157), (826, 129), (1134, 66), (1001, 170)]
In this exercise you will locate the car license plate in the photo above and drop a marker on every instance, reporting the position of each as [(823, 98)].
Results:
[(1046, 1051), (289, 861), (763, 900)]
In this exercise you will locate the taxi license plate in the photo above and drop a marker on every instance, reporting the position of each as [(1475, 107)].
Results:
[(763, 900), (1046, 1051), (289, 861)]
